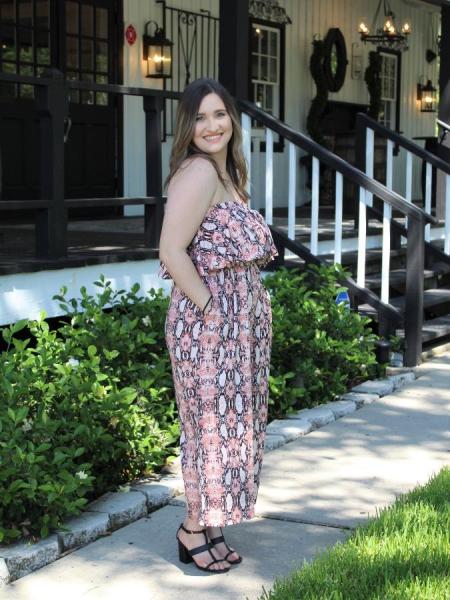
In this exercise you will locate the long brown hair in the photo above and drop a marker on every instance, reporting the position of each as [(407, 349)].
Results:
[(183, 144)]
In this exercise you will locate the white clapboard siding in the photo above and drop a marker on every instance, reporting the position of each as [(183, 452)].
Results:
[(309, 18)]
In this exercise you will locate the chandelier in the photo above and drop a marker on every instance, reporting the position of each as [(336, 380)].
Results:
[(268, 10), (388, 35)]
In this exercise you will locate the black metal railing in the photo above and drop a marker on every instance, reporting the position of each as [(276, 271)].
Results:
[(50, 209), (389, 317)]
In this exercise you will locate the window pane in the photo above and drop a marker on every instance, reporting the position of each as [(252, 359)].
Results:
[(9, 68), (273, 70), (101, 58), (7, 13), (255, 74), (72, 24), (25, 45), (259, 100), (264, 43), (102, 23), (269, 98), (101, 98), (42, 13), (7, 43), (87, 97), (87, 55), (255, 38), (25, 12), (26, 91), (87, 19), (72, 52), (273, 46), (42, 48), (264, 69)]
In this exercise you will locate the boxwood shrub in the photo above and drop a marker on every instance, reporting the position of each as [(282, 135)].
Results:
[(90, 405)]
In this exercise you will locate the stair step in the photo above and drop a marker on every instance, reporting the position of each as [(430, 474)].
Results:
[(431, 299), (397, 278), (433, 329)]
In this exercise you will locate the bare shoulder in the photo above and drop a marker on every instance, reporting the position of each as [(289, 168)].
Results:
[(198, 167)]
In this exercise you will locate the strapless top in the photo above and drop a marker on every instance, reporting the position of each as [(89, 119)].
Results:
[(230, 234)]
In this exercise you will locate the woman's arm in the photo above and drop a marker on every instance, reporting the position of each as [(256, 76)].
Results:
[(189, 196)]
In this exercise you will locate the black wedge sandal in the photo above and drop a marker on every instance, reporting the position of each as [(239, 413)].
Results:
[(218, 540), (186, 556)]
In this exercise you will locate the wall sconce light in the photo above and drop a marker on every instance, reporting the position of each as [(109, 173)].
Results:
[(157, 52), (427, 96)]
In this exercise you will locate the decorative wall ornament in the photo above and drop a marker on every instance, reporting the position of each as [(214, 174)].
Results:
[(335, 59), (269, 11), (388, 35)]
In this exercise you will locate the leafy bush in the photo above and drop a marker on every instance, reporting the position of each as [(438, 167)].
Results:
[(319, 347), (86, 408), (91, 405)]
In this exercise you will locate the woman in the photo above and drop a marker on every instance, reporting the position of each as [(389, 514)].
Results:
[(218, 326)]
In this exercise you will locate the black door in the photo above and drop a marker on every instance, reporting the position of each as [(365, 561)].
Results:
[(79, 37)]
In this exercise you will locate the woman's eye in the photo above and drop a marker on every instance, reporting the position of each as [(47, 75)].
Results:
[(198, 118), (221, 114)]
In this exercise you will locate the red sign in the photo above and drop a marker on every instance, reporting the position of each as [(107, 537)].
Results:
[(131, 34)]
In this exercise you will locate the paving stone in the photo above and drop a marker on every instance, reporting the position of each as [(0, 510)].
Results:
[(158, 493), (382, 387), (398, 370), (340, 408), (317, 416), (289, 429), (273, 441), (4, 573), (396, 359), (122, 507), (83, 529), (360, 399), (402, 379), (25, 557)]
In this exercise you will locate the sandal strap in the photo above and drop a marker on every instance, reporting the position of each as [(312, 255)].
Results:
[(218, 540), (199, 549), (190, 530)]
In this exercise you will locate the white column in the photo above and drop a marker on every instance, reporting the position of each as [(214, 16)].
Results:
[(447, 215), (370, 159)]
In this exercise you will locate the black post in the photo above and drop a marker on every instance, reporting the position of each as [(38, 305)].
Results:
[(414, 291), (153, 213), (51, 223), (233, 47)]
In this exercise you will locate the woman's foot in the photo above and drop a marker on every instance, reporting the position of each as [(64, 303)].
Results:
[(221, 547), (204, 559)]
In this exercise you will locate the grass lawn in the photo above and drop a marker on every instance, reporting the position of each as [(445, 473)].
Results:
[(402, 554)]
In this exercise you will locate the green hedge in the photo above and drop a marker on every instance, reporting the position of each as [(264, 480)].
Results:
[(319, 348), (91, 405)]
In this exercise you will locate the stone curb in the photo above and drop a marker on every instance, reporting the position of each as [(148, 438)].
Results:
[(117, 509)]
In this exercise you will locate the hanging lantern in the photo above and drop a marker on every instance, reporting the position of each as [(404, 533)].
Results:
[(388, 35), (427, 96), (157, 52)]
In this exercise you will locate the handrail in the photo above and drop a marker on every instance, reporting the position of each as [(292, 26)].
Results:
[(404, 142), (74, 84), (335, 162)]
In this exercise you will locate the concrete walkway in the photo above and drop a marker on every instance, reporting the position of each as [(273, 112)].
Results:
[(314, 491)]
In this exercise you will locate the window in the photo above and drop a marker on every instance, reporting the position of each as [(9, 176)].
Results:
[(265, 68), (24, 42), (266, 60), (87, 48), (390, 89)]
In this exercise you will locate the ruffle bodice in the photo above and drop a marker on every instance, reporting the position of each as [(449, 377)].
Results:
[(230, 234)]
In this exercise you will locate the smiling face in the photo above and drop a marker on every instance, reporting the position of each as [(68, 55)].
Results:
[(213, 127)]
